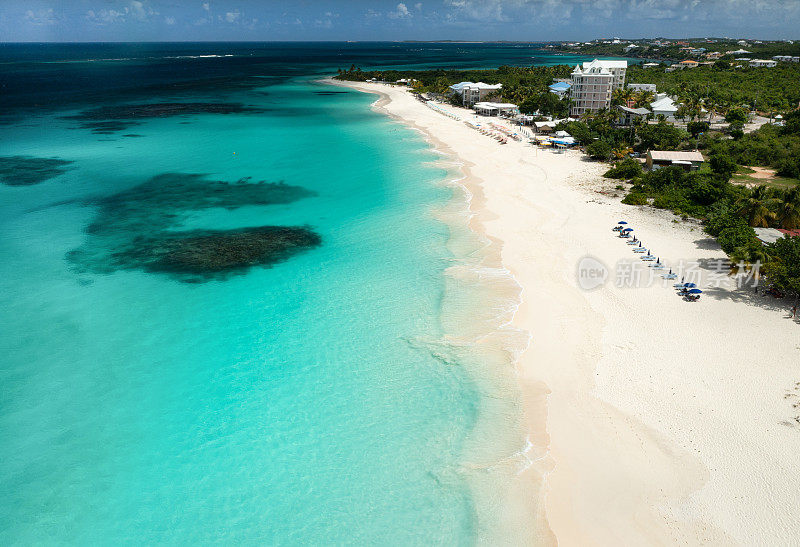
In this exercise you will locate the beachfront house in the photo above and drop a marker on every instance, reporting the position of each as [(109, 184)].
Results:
[(560, 89), (763, 63), (474, 92), (495, 109), (688, 64), (664, 106), (689, 161), (547, 126), (628, 116)]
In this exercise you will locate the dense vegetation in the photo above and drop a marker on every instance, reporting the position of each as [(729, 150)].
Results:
[(723, 86)]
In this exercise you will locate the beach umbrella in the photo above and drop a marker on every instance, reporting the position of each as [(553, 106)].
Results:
[(689, 285), (621, 222), (695, 291), (628, 230)]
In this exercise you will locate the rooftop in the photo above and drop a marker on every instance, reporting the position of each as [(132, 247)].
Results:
[(608, 64), (639, 111), (474, 85), (669, 155)]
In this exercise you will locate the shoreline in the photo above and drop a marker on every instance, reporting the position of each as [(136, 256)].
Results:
[(527, 472), (508, 516), (666, 421)]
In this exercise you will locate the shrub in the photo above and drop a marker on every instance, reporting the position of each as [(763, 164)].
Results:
[(723, 165), (789, 167), (626, 169), (599, 150), (635, 198)]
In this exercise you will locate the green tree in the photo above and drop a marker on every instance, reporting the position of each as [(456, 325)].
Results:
[(660, 136), (756, 208), (737, 116), (723, 165)]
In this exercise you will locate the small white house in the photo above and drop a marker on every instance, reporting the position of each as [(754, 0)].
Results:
[(643, 87), (763, 63), (786, 59), (664, 106)]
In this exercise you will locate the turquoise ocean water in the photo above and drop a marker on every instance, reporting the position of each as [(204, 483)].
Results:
[(298, 403)]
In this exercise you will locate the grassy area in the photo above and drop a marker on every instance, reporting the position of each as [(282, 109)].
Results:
[(752, 177)]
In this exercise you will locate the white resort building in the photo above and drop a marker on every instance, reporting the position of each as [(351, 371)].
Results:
[(593, 84), (474, 92), (761, 63), (616, 68), (591, 88)]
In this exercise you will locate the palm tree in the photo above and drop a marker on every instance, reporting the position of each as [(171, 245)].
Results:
[(757, 208), (621, 96), (644, 98), (789, 209)]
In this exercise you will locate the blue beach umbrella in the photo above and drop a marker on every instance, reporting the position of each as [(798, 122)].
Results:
[(689, 285), (621, 222), (628, 230), (695, 291)]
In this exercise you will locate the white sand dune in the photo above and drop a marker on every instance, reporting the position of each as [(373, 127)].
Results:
[(665, 421)]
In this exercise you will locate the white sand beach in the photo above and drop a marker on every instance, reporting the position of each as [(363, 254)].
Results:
[(664, 421)]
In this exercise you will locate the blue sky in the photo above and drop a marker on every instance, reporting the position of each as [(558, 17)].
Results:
[(179, 20)]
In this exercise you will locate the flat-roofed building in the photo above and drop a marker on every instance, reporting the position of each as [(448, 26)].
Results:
[(643, 87), (763, 63)]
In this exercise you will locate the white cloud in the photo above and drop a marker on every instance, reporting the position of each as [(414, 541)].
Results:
[(41, 17), (400, 12), (206, 6), (106, 16), (481, 10), (135, 10), (169, 20), (418, 6), (233, 16)]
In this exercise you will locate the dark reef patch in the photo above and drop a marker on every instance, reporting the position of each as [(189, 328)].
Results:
[(133, 135), (138, 229), (330, 92), (108, 128), (28, 170), (110, 119), (202, 255)]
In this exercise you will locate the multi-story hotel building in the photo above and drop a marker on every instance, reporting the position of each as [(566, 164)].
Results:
[(593, 84)]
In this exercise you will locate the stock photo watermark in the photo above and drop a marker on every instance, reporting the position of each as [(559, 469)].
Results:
[(592, 273)]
